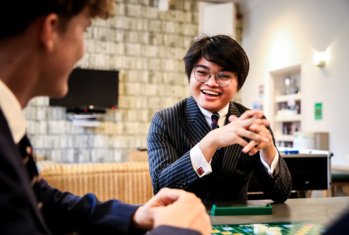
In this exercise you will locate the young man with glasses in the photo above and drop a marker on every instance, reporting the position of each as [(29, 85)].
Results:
[(40, 42), (216, 164)]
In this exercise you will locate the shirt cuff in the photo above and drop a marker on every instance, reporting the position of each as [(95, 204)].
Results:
[(199, 162), (274, 163)]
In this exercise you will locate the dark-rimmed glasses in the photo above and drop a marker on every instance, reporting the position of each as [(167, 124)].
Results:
[(223, 78)]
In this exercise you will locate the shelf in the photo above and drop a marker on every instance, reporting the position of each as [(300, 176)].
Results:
[(288, 138), (286, 103), (85, 120), (288, 98), (86, 123), (293, 118)]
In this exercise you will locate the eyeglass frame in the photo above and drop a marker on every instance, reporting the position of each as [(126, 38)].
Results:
[(218, 80)]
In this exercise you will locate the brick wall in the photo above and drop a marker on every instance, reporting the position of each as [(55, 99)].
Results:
[(147, 46)]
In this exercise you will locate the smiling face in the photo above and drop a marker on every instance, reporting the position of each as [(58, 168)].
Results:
[(209, 95)]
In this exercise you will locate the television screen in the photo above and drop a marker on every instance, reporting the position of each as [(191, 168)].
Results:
[(309, 172), (89, 91)]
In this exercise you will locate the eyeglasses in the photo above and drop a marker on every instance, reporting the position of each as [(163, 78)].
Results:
[(223, 78)]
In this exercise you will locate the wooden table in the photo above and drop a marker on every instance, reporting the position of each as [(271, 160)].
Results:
[(315, 210)]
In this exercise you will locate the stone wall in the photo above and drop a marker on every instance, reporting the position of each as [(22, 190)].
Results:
[(146, 46)]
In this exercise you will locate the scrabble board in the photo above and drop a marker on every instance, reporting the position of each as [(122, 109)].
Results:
[(279, 228)]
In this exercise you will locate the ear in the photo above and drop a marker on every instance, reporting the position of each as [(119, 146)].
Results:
[(49, 31)]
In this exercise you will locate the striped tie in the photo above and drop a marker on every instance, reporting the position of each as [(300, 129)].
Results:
[(214, 118), (217, 160)]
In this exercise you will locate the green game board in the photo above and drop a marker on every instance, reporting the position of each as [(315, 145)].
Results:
[(279, 228)]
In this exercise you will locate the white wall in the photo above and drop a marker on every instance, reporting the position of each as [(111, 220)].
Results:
[(279, 33)]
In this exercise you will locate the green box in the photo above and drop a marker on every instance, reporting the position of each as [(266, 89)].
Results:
[(318, 111), (242, 210)]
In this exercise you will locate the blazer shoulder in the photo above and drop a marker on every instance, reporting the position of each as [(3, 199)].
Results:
[(174, 111)]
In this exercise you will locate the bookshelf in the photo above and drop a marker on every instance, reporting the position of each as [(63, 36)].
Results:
[(286, 104)]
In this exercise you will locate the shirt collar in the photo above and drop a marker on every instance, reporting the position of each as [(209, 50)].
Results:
[(222, 115), (13, 112)]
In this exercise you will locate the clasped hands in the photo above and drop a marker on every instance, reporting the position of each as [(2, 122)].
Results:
[(173, 207), (249, 130)]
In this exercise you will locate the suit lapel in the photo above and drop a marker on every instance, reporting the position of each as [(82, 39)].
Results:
[(197, 126), (230, 158)]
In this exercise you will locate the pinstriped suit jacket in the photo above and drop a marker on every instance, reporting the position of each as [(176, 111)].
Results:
[(175, 130)]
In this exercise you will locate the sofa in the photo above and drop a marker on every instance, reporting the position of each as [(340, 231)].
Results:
[(126, 181)]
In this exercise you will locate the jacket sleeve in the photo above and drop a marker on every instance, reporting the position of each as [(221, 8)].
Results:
[(278, 187), (339, 226), (86, 215), (281, 180), (167, 168), (65, 212), (169, 230)]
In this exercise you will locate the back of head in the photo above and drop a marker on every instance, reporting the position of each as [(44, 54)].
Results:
[(17, 15), (221, 50)]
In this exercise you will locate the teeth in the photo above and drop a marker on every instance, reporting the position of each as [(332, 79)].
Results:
[(210, 92)]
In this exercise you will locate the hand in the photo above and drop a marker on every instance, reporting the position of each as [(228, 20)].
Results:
[(265, 145), (173, 207), (236, 132), (266, 142), (248, 126)]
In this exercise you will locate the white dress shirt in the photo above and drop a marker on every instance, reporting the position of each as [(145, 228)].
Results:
[(12, 110)]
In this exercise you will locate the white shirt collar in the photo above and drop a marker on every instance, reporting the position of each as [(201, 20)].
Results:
[(222, 115), (13, 112)]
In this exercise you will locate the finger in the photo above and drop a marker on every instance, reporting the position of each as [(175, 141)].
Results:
[(254, 121), (232, 118), (255, 128), (241, 141), (257, 148), (253, 151), (265, 133), (260, 122), (167, 196), (249, 146), (252, 113), (252, 135), (246, 122)]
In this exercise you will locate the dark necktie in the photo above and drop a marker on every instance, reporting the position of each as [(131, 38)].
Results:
[(214, 118), (217, 160), (28, 160)]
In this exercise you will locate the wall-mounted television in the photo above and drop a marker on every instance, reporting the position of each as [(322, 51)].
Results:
[(90, 91)]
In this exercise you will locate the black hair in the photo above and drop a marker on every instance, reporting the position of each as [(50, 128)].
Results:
[(221, 50)]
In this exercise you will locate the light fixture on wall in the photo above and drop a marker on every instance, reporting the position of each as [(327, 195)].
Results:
[(321, 58), (164, 5)]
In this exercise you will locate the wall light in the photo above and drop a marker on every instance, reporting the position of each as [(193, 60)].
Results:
[(320, 58), (163, 5)]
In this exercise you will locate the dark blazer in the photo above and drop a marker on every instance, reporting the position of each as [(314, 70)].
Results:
[(340, 226), (175, 130), (60, 212)]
